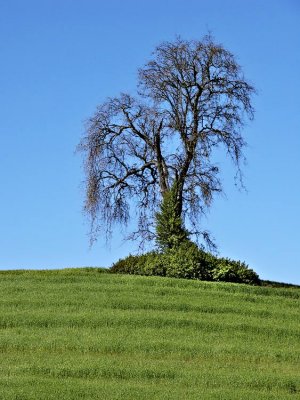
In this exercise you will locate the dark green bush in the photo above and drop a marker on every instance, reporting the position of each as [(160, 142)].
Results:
[(227, 270), (187, 261), (127, 265), (144, 264)]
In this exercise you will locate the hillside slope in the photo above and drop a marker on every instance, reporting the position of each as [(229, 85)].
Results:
[(81, 334)]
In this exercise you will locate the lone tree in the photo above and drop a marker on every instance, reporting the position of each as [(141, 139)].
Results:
[(192, 99)]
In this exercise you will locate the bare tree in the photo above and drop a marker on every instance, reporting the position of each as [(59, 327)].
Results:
[(192, 99)]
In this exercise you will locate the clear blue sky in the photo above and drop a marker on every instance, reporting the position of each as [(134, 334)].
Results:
[(60, 58)]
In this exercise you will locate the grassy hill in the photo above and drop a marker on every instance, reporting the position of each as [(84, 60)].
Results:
[(84, 334)]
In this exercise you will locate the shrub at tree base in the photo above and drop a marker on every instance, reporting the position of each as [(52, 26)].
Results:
[(189, 262), (234, 271), (145, 264)]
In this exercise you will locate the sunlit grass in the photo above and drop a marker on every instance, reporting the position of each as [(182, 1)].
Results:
[(85, 334)]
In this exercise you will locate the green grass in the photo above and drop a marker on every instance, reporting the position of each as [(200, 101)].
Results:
[(84, 334)]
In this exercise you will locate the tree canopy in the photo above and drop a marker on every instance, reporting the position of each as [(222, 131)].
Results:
[(192, 98)]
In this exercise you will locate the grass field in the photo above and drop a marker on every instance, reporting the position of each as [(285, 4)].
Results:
[(83, 334)]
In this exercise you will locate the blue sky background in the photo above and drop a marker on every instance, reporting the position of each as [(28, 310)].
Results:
[(61, 58)]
